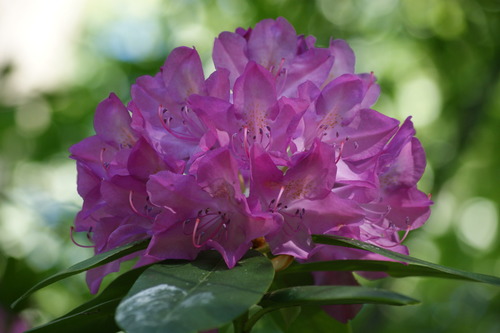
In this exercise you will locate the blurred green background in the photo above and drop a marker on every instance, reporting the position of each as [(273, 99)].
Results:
[(438, 60)]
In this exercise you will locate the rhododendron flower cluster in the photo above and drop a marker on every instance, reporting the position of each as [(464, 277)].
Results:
[(278, 143)]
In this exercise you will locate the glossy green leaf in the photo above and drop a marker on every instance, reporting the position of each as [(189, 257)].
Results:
[(328, 295), (395, 269), (95, 261), (96, 315), (197, 295), (414, 267)]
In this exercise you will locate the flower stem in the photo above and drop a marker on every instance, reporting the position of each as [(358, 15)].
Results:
[(249, 322), (239, 323)]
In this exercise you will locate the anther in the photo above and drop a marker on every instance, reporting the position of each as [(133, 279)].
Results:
[(134, 209), (72, 230), (105, 165), (88, 234)]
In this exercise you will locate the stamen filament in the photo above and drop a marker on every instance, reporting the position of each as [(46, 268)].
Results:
[(340, 151), (72, 230), (134, 209), (168, 129), (105, 165), (276, 203)]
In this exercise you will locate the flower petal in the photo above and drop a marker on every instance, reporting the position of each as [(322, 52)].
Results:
[(229, 54), (183, 74), (112, 123), (271, 41)]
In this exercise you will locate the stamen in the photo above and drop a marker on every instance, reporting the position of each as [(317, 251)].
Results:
[(372, 237), (276, 203), (72, 229), (405, 235), (280, 67), (198, 233), (169, 209), (401, 240), (196, 243), (105, 165), (340, 151), (134, 209), (245, 142), (166, 125)]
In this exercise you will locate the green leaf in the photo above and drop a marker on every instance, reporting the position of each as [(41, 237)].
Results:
[(309, 318), (286, 316), (395, 269), (415, 267), (95, 261), (328, 295), (314, 319), (99, 318), (97, 314), (197, 295)]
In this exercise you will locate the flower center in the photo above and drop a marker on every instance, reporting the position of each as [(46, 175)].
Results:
[(205, 226), (184, 125)]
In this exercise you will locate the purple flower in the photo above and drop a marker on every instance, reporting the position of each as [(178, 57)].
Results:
[(280, 142), (203, 211), (12, 323)]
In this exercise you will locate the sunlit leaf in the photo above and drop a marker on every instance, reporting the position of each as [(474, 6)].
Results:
[(95, 261), (198, 295), (415, 267)]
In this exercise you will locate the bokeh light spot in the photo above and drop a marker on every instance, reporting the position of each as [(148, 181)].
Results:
[(419, 97), (477, 226)]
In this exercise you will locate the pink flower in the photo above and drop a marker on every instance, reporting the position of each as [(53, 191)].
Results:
[(279, 142), (203, 211), (12, 323)]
